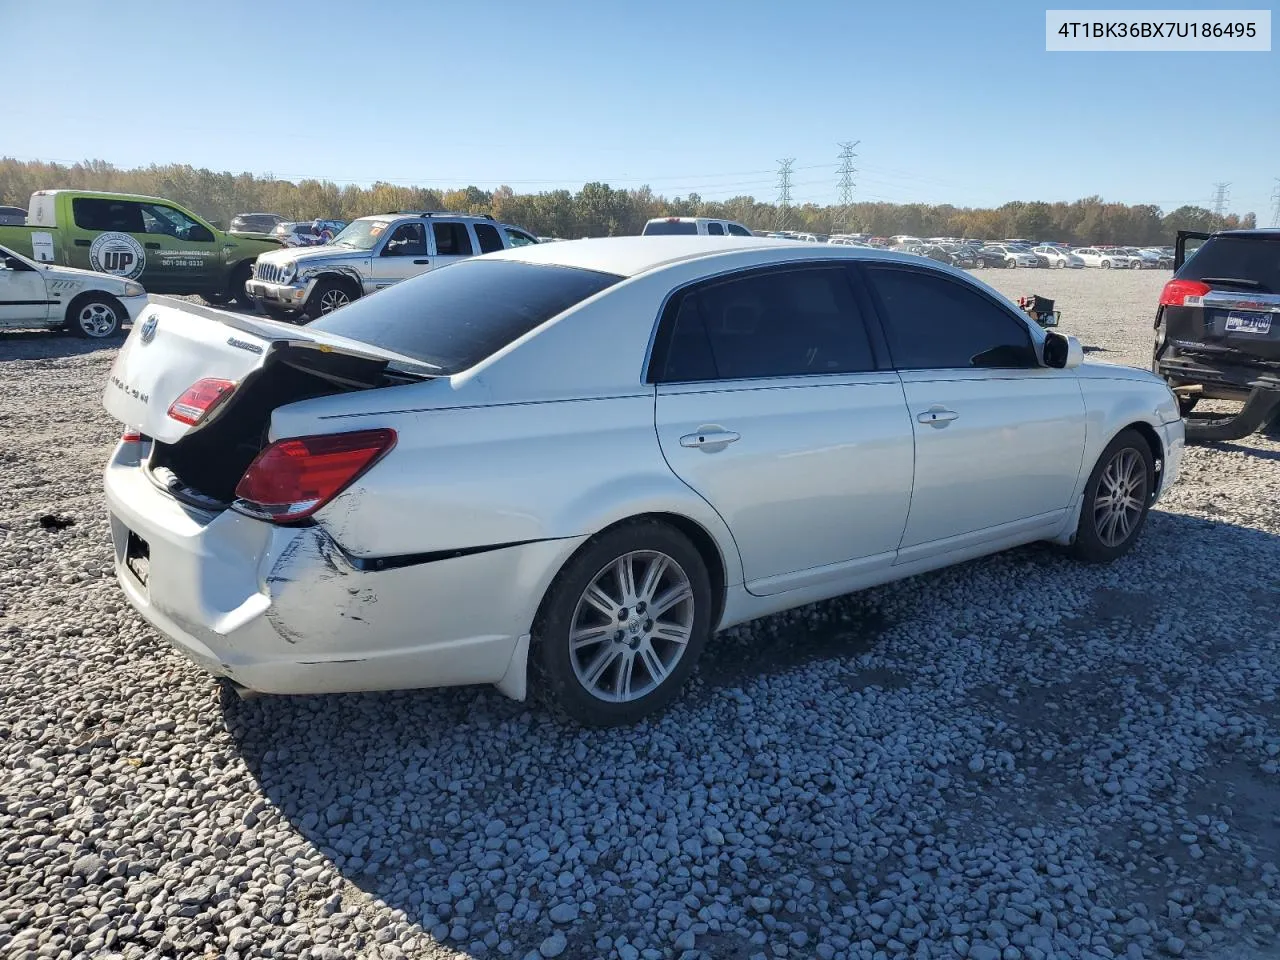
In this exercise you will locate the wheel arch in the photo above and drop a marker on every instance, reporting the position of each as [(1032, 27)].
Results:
[(79, 299)]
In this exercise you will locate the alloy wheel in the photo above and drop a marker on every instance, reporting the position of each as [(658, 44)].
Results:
[(1120, 498), (631, 626), (331, 300), (98, 320)]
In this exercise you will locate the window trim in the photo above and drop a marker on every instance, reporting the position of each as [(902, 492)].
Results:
[(881, 313), (664, 324)]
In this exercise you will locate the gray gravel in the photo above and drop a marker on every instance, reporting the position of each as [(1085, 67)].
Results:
[(1017, 758)]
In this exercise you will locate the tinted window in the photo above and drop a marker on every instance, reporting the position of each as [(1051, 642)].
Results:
[(488, 238), (1241, 258), (668, 227), (451, 239), (737, 231), (519, 238), (457, 316), (934, 322), (775, 324), (408, 240), (94, 213), (169, 222), (715, 230)]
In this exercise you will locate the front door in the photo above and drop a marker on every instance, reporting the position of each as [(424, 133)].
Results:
[(24, 301), (771, 405), (999, 439), (403, 255)]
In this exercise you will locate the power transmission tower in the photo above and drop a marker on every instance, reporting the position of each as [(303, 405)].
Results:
[(845, 183), (1220, 199), (784, 193), (1275, 204)]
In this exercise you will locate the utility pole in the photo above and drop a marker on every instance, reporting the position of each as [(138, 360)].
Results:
[(1275, 204), (784, 193), (1220, 199), (845, 183)]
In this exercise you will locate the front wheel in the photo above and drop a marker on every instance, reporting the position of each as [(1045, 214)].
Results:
[(623, 625), (329, 295), (96, 316), (1106, 264), (1116, 499)]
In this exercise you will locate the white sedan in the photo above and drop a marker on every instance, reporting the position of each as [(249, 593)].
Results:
[(561, 469), (45, 295), (1059, 257), (1106, 259)]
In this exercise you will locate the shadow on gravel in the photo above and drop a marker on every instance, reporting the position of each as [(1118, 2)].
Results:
[(1256, 452), (414, 793), (51, 344)]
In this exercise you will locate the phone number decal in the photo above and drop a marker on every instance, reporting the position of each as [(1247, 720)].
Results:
[(1157, 30)]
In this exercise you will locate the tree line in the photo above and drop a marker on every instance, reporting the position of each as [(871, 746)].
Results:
[(601, 210)]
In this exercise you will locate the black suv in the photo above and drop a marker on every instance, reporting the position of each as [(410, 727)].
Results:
[(1218, 330)]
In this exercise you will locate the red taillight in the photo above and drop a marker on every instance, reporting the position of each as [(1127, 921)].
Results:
[(1175, 292), (292, 479), (131, 436), (200, 399)]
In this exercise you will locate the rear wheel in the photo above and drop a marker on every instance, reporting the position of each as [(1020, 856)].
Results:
[(623, 625), (1106, 264), (1116, 499), (236, 288), (96, 316)]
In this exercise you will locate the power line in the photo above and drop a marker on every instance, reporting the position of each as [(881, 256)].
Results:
[(1275, 204), (1220, 199), (784, 193), (845, 182)]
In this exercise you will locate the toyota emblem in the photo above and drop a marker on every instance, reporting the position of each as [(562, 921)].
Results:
[(149, 328)]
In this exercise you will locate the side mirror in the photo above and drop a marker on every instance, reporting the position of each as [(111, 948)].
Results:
[(1062, 352)]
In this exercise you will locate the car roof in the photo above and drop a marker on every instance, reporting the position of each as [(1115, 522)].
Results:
[(632, 256), (1262, 233)]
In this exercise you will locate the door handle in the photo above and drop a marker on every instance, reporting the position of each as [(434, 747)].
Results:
[(152, 246), (84, 243), (710, 438), (937, 416), (422, 263)]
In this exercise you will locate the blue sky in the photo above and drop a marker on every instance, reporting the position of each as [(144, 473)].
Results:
[(952, 102)]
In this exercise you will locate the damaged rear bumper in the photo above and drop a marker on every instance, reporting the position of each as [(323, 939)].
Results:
[(283, 610)]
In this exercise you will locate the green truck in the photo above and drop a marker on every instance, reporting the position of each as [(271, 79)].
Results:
[(156, 242)]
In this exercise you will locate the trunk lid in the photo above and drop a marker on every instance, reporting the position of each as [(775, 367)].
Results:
[(176, 343)]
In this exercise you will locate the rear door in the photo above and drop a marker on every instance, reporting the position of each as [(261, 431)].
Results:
[(403, 254), (999, 439), (771, 404), (452, 241)]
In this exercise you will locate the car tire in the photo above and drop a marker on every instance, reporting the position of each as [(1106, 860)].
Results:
[(1105, 264), (1186, 403), (1108, 527), (236, 286), (330, 294), (619, 646), (279, 313), (1217, 427), (96, 316)]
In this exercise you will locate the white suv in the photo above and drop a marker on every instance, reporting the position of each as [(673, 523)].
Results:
[(690, 226), (369, 254)]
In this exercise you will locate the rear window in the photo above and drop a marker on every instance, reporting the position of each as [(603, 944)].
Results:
[(663, 227), (1241, 258), (456, 316)]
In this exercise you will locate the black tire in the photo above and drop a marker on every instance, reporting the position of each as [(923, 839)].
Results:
[(1106, 264), (1186, 403), (96, 316), (218, 299), (235, 287), (1213, 427), (279, 313), (324, 298), (552, 675), (1092, 543)]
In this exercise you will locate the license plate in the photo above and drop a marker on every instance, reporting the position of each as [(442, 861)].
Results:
[(137, 557), (1246, 322)]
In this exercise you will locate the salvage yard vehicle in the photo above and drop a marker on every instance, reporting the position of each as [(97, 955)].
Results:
[(1014, 256), (44, 295), (1218, 331), (161, 245), (1106, 259), (370, 254), (1059, 257), (703, 226), (562, 468)]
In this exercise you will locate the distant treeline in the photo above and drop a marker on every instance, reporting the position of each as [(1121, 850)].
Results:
[(600, 210)]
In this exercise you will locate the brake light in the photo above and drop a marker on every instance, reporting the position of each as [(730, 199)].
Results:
[(1175, 292), (292, 479), (200, 399), (131, 436)]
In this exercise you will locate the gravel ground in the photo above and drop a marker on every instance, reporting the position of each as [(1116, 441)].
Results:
[(1016, 758)]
